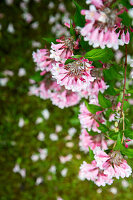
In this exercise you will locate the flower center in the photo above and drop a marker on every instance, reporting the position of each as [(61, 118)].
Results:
[(107, 18), (77, 68), (116, 157), (69, 43)]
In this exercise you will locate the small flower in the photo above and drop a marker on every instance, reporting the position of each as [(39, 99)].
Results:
[(113, 190), (53, 137), (64, 159), (75, 75), (16, 168), (113, 163), (43, 153), (21, 122), (39, 180), (87, 141), (64, 172), (22, 173), (125, 183), (93, 173), (3, 81), (46, 114), (103, 25), (88, 120), (35, 157), (43, 60), (21, 72), (63, 50), (58, 128), (52, 169), (72, 131), (41, 136), (69, 144), (39, 120)]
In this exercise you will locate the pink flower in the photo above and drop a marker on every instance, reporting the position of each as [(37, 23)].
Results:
[(93, 173), (113, 163), (87, 141), (62, 97), (63, 50), (103, 26), (75, 75), (131, 2), (96, 86), (97, 3), (88, 120), (42, 91), (64, 159), (43, 60)]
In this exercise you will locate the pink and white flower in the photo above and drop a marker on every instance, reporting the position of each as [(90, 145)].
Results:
[(93, 173), (113, 164), (87, 141), (96, 86), (43, 60), (63, 50), (88, 120), (63, 98), (75, 75), (103, 26)]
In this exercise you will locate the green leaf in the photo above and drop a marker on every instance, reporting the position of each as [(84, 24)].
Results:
[(105, 103), (113, 135), (84, 44), (103, 128), (37, 77), (125, 3), (126, 105), (72, 31), (69, 61), (99, 54), (77, 56), (93, 108), (92, 132), (128, 152), (119, 145), (78, 18), (91, 154), (126, 20), (111, 91), (49, 40), (128, 133), (112, 74)]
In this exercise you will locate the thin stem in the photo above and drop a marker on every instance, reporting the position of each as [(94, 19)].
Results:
[(124, 89)]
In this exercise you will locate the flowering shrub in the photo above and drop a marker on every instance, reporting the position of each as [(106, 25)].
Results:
[(76, 70)]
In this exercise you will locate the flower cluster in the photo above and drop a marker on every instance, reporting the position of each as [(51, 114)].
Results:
[(103, 25), (70, 72)]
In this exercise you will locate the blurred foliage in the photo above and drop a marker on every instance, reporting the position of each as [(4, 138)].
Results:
[(18, 144)]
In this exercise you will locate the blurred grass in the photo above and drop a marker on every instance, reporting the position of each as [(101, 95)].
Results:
[(15, 52)]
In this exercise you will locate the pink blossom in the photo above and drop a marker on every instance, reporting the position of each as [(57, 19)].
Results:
[(62, 97), (97, 3), (59, 96), (93, 173), (131, 2), (63, 50), (87, 141), (64, 159), (103, 26), (75, 75), (88, 120), (113, 163), (42, 91), (96, 86), (43, 60)]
